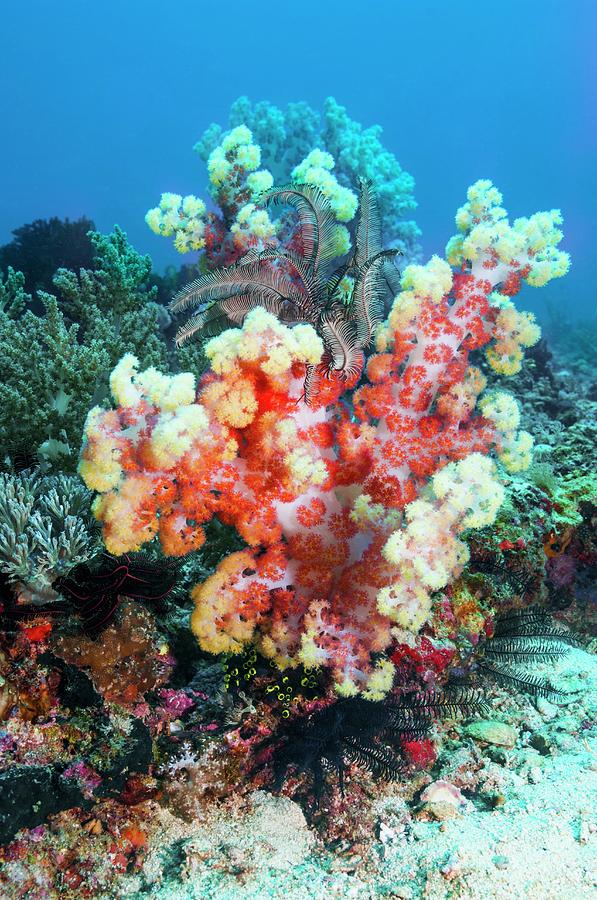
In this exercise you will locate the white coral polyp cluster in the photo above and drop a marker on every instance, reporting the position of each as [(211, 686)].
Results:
[(167, 392), (427, 551)]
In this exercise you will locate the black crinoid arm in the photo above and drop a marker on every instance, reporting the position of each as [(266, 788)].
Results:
[(354, 731), (523, 639), (95, 590)]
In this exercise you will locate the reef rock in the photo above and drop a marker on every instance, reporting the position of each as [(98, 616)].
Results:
[(493, 732)]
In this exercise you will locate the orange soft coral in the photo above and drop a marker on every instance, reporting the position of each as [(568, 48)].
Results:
[(344, 554)]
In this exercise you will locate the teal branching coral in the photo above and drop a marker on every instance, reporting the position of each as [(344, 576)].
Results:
[(287, 137), (266, 145), (56, 364)]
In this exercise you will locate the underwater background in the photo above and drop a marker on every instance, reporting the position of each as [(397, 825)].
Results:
[(103, 102), (298, 450)]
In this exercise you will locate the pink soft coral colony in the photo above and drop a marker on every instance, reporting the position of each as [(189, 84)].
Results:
[(353, 506)]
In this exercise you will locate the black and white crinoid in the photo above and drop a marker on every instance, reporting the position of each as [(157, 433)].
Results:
[(523, 639)]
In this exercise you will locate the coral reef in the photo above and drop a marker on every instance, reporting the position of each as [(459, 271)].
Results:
[(340, 498), (454, 828)]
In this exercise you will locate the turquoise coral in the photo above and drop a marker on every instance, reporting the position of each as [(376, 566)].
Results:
[(288, 136), (295, 143), (359, 153)]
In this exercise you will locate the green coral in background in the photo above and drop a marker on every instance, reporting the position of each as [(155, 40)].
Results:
[(113, 303), (56, 365)]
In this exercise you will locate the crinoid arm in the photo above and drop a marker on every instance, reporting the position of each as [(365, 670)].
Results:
[(225, 296), (317, 224), (523, 639)]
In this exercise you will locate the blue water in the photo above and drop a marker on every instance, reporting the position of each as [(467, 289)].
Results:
[(101, 103)]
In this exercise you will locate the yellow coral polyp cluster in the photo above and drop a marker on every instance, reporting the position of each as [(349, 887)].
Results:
[(235, 178), (259, 182), (502, 409), (175, 433), (378, 685), (252, 222), (181, 217), (516, 454), (316, 169), (430, 282), (542, 236), (484, 231), (457, 403), (124, 528), (516, 448), (236, 150), (513, 331), (100, 468), (366, 513), (427, 552), (471, 489), (216, 603), (306, 469), (264, 338), (129, 454), (233, 404)]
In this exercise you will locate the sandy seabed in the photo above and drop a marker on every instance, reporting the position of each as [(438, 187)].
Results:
[(524, 824)]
